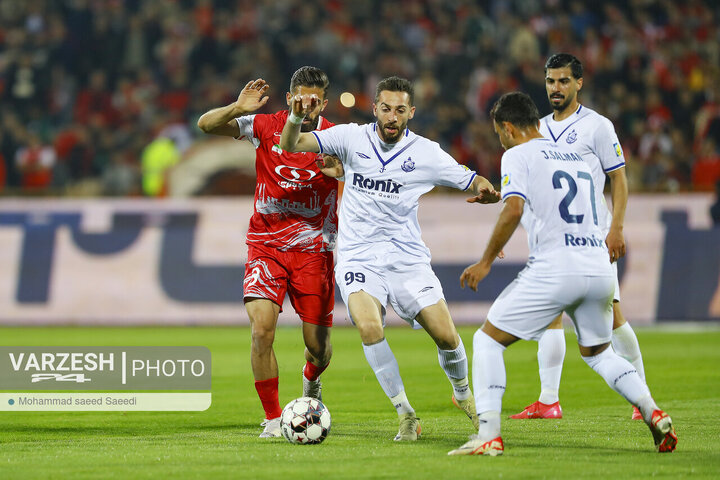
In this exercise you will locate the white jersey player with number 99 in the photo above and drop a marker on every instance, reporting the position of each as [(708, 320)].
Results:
[(382, 258)]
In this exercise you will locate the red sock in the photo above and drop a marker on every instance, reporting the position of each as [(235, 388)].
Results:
[(268, 392), (312, 372)]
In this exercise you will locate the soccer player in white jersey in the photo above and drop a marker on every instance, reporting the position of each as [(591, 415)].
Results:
[(593, 136), (381, 257), (550, 189)]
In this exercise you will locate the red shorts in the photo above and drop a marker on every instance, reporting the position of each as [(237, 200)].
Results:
[(307, 278)]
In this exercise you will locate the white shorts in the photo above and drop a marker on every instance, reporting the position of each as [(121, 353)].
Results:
[(408, 287), (531, 302)]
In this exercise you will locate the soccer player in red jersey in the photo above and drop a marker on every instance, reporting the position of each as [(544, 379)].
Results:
[(291, 236)]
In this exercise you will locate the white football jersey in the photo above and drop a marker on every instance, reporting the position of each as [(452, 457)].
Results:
[(592, 136), (561, 208), (383, 183)]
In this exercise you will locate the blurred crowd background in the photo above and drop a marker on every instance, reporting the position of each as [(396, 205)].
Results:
[(99, 95)]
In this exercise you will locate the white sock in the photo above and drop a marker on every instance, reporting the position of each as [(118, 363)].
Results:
[(625, 344), (401, 404), (551, 353), (647, 405), (488, 373), (454, 363), (489, 425), (620, 375), (387, 371)]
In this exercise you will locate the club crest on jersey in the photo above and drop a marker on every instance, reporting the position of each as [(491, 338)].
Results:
[(505, 180), (408, 165), (618, 150), (276, 149), (572, 137)]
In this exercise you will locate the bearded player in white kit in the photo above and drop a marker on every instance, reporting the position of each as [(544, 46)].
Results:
[(549, 187), (594, 137), (381, 257)]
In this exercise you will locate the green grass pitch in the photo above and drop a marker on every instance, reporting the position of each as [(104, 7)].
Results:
[(596, 439)]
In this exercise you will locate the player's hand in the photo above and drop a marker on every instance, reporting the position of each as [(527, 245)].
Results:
[(302, 105), (473, 274), (330, 165), (252, 96), (485, 195), (615, 242)]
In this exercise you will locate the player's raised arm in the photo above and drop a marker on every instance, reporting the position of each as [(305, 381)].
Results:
[(483, 190), (292, 139), (507, 223), (221, 121)]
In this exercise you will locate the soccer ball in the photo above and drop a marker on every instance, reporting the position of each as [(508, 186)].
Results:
[(305, 420)]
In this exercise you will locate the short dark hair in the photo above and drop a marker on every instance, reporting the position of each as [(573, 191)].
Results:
[(516, 108), (310, 77), (395, 84), (562, 60)]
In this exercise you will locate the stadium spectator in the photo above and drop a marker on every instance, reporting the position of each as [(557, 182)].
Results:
[(715, 207), (117, 66), (35, 163), (159, 156), (706, 169)]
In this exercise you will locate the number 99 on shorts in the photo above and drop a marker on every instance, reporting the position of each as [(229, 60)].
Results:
[(351, 277)]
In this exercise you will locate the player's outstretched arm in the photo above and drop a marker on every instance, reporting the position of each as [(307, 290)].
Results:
[(615, 239), (331, 166), (483, 190), (507, 223), (292, 139), (221, 121)]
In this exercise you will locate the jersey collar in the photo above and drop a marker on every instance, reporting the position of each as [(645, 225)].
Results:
[(574, 118), (377, 152)]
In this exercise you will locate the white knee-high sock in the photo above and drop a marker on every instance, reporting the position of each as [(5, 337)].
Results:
[(383, 362), (454, 363), (488, 371), (551, 353), (620, 375), (625, 344)]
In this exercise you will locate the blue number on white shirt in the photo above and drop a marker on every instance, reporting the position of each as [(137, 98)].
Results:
[(570, 195), (350, 277)]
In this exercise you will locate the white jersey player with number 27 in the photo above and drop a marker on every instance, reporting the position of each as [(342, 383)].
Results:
[(593, 137), (565, 239), (549, 188)]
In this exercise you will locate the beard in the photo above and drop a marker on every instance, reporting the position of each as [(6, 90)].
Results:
[(311, 124), (391, 137), (565, 101)]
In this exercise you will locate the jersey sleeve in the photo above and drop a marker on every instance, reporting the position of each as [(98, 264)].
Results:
[(336, 140), (246, 124), (607, 146), (514, 171), (450, 173)]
